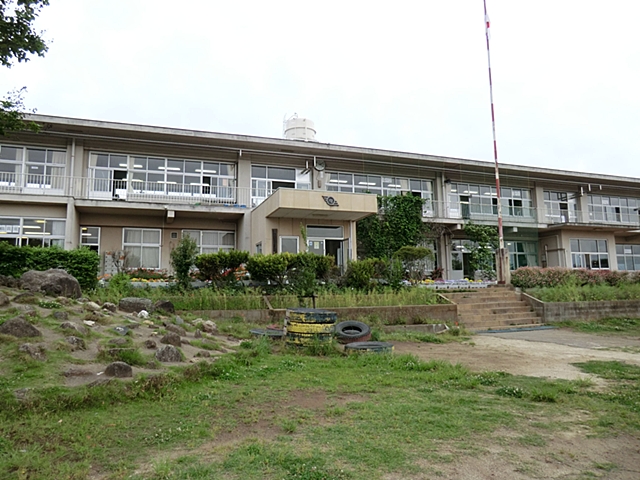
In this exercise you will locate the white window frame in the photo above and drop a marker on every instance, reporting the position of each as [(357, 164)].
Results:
[(144, 245), (198, 235), (23, 234), (584, 259), (290, 237), (83, 235)]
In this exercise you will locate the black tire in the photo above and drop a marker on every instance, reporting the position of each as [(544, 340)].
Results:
[(310, 315), (269, 332), (378, 347), (351, 330)]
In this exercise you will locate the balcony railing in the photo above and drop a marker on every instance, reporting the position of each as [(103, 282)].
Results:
[(603, 218), (482, 213)]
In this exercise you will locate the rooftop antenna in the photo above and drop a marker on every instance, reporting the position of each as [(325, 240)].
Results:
[(502, 263)]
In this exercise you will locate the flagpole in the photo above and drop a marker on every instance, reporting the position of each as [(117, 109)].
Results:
[(502, 264)]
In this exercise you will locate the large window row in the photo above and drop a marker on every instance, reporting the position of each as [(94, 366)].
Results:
[(628, 257), (614, 209), (560, 207), (522, 254), (37, 232), (468, 200), (589, 254), (32, 167), (115, 174)]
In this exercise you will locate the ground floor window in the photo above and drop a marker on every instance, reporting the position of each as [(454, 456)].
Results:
[(142, 247), (289, 244), (628, 257), (36, 232), (522, 254), (90, 238), (212, 241), (590, 254)]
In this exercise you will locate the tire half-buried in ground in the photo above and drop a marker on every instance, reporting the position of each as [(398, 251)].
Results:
[(352, 331), (378, 347)]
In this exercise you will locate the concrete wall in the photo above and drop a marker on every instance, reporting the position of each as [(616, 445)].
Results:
[(414, 314), (558, 311)]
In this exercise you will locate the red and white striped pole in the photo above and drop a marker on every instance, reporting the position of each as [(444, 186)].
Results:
[(503, 264)]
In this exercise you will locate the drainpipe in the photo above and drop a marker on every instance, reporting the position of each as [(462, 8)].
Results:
[(70, 187)]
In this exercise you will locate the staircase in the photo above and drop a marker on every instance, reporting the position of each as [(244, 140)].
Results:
[(494, 307)]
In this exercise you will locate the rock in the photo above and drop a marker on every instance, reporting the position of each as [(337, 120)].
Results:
[(121, 330), (150, 344), (26, 298), (60, 315), (37, 352), (203, 353), (185, 341), (4, 300), (63, 300), (10, 282), (52, 282), (19, 327), (171, 338), (198, 334), (99, 382), (92, 307), (143, 314), (118, 341), (22, 393), (168, 354), (76, 343), (164, 306), (134, 304), (176, 329), (82, 330), (28, 310), (210, 327), (179, 320), (76, 372), (83, 300), (111, 307), (94, 317), (118, 370)]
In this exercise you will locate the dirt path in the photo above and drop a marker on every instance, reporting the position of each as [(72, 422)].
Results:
[(544, 353)]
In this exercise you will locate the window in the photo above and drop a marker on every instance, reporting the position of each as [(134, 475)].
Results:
[(614, 209), (212, 241), (36, 232), (259, 247), (468, 201), (90, 238), (289, 244), (265, 180), (142, 247), (325, 232), (32, 167), (628, 257), (163, 176), (590, 254), (522, 254), (560, 207)]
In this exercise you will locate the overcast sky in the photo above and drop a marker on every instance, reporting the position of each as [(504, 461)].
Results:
[(402, 75)]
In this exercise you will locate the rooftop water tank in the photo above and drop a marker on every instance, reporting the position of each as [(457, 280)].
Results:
[(296, 128)]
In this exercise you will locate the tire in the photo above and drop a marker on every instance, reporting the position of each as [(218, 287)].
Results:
[(295, 327), (304, 339), (352, 331), (269, 332), (378, 347), (310, 315)]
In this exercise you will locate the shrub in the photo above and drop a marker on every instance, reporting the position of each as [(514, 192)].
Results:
[(533, 277), (82, 263), (360, 273), (183, 257), (220, 267)]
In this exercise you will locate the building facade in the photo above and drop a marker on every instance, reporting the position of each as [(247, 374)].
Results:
[(132, 192)]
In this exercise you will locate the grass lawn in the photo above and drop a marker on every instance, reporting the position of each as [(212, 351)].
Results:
[(265, 414), (607, 326)]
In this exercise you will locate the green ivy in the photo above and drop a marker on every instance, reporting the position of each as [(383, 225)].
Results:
[(485, 244), (398, 224)]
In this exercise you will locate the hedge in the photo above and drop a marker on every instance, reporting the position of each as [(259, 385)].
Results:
[(534, 277), (82, 263)]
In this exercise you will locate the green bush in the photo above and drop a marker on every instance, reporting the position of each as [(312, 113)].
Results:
[(220, 267), (360, 274), (183, 257), (534, 277), (82, 263)]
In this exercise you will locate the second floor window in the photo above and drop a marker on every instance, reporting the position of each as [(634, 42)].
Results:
[(614, 209), (32, 167), (265, 180)]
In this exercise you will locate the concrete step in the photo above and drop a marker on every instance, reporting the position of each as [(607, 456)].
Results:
[(504, 327), (470, 307), (507, 317), (498, 322)]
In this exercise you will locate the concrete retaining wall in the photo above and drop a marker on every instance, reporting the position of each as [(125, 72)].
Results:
[(554, 312), (410, 314)]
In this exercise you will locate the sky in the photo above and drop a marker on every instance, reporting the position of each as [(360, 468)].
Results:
[(408, 76)]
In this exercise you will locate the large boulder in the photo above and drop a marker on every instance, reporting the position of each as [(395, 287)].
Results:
[(164, 306), (171, 338), (53, 282), (118, 370), (168, 354), (10, 282), (80, 329), (37, 352), (135, 304), (19, 327), (4, 300)]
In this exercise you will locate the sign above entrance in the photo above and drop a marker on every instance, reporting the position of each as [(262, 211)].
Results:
[(332, 202)]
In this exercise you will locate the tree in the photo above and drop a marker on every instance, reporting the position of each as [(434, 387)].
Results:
[(485, 243), (183, 257), (398, 224), (18, 40)]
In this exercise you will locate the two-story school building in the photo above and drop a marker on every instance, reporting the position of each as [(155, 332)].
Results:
[(131, 192)]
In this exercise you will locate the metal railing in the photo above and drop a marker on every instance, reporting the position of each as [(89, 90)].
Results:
[(602, 218), (483, 213)]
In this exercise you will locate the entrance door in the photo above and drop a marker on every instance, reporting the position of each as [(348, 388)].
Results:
[(339, 249), (119, 184), (316, 245)]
